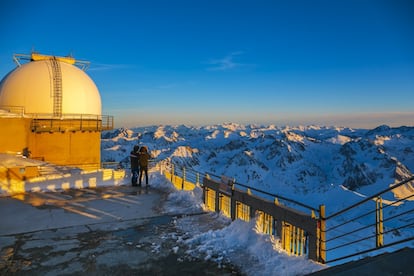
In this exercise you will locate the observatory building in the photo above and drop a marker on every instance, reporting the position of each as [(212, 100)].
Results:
[(50, 110)]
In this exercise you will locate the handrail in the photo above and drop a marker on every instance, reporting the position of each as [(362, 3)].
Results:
[(263, 192), (377, 238), (54, 122), (296, 229), (15, 109), (350, 220), (370, 198), (328, 241), (280, 197), (72, 122)]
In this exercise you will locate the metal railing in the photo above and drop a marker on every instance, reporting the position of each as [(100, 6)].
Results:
[(71, 122), (18, 110), (369, 225), (326, 239), (193, 176), (49, 122), (297, 230)]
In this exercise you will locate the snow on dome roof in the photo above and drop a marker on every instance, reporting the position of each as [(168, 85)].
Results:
[(50, 85)]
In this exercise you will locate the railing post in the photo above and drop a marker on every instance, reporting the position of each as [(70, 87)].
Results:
[(322, 234), (233, 206), (379, 223), (217, 201), (286, 236), (204, 191), (205, 195), (278, 225), (233, 203), (252, 212), (198, 178), (182, 183)]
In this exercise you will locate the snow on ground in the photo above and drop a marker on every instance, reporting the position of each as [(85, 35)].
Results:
[(336, 167), (311, 169), (219, 239), (253, 253)]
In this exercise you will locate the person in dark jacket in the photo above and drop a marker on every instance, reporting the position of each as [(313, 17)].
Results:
[(144, 156), (134, 158)]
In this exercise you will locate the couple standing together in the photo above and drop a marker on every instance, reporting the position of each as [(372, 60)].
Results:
[(139, 157)]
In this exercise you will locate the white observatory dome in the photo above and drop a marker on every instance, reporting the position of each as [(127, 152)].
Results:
[(33, 86)]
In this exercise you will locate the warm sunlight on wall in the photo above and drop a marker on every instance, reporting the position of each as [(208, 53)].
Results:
[(15, 186), (74, 148)]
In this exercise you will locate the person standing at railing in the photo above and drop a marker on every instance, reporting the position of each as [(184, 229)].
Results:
[(134, 159), (144, 156)]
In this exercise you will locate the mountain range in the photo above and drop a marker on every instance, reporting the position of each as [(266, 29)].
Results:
[(298, 161)]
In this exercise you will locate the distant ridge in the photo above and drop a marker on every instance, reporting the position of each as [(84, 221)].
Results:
[(287, 160)]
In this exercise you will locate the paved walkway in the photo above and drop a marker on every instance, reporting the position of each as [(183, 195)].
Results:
[(103, 231), (39, 211)]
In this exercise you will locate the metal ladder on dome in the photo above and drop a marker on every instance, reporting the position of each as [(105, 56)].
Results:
[(57, 87)]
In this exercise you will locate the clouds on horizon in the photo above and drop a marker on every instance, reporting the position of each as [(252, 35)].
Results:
[(106, 66), (356, 120), (226, 63)]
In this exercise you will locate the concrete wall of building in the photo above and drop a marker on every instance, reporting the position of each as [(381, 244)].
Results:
[(59, 147), (66, 148), (14, 134)]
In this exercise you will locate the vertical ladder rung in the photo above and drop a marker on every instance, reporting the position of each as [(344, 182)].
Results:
[(57, 87)]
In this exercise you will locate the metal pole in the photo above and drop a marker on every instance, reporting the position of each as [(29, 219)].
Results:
[(379, 223), (182, 183), (322, 235)]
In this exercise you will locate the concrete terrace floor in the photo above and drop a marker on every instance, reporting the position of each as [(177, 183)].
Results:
[(102, 231), (121, 230)]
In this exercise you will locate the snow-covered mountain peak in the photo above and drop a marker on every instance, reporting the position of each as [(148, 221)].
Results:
[(213, 135), (339, 139), (160, 132), (285, 160), (294, 137), (233, 127), (169, 135), (184, 151), (122, 133)]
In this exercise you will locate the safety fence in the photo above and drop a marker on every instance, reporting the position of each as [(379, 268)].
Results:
[(50, 122), (325, 239), (297, 230), (372, 224), (10, 109), (71, 122)]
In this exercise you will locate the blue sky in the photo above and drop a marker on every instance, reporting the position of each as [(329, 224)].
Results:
[(344, 63)]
